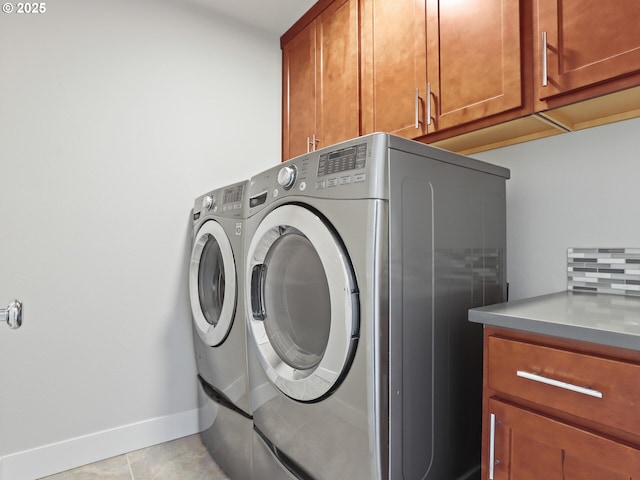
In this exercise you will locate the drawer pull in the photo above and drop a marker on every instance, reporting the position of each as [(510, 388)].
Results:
[(556, 383)]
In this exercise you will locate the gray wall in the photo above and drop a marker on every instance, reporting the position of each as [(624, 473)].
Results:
[(114, 116), (578, 189)]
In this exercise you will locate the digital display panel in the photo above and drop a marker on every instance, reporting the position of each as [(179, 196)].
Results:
[(350, 158), (233, 194)]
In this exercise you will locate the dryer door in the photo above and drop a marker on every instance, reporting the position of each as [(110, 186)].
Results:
[(212, 283), (303, 302)]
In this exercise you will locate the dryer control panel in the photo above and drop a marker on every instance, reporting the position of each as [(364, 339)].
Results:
[(336, 168), (342, 160), (350, 170)]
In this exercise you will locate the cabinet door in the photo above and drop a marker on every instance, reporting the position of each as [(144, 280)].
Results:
[(587, 42), (394, 80), (337, 81), (299, 92), (529, 446), (474, 61)]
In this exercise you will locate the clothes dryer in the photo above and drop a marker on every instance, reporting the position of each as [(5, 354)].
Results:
[(219, 330), (362, 261)]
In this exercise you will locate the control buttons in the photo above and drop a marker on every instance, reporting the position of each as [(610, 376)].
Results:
[(345, 180), (360, 177), (208, 202), (287, 176), (234, 206), (303, 186)]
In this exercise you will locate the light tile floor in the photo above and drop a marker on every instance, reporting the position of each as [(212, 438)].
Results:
[(182, 459)]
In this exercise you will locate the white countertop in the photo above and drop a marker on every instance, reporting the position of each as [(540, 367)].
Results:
[(591, 317)]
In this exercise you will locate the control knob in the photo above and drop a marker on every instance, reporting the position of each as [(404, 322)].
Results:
[(208, 202), (287, 176)]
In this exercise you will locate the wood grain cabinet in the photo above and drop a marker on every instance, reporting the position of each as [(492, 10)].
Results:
[(430, 65), (530, 446), (394, 67), (584, 43), (321, 101), (559, 409), (474, 60), (465, 75)]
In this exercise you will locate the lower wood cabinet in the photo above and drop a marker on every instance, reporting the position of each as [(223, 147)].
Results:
[(559, 409), (531, 446)]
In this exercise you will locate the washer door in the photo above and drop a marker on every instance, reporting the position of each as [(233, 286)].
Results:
[(212, 283), (303, 301)]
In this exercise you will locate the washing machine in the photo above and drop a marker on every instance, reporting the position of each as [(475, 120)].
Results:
[(362, 261), (219, 329)]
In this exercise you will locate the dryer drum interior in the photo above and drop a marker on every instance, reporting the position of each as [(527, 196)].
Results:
[(303, 324), (296, 300)]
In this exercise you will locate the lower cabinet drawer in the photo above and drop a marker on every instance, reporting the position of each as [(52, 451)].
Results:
[(598, 389)]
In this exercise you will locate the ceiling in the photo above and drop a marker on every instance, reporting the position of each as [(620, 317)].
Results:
[(274, 16)]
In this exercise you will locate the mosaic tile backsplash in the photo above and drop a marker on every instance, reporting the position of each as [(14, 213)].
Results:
[(604, 270)]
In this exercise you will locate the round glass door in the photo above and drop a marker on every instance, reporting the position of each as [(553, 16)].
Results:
[(304, 302), (212, 283)]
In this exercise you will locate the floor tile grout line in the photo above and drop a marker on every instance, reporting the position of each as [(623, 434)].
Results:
[(129, 465)]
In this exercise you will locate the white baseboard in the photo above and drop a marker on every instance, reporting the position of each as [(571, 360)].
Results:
[(75, 452)]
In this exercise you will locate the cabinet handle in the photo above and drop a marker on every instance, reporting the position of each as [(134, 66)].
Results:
[(544, 60), (428, 103), (492, 444), (311, 143), (557, 383), (417, 105)]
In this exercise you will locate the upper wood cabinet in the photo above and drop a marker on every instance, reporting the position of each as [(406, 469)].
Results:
[(473, 59), (429, 65), (394, 67), (321, 96), (465, 75), (583, 43), (299, 92)]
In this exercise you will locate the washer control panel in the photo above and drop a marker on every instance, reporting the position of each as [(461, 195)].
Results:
[(208, 202), (227, 202), (232, 197)]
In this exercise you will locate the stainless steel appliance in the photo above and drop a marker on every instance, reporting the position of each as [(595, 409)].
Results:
[(362, 261), (216, 293)]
